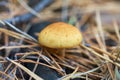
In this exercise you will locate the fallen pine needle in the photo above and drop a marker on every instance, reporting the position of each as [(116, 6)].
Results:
[(67, 77), (101, 56), (25, 69), (21, 46)]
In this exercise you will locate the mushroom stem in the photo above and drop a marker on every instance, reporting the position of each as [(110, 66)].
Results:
[(60, 52), (63, 53)]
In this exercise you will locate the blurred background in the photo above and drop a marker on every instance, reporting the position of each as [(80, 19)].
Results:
[(98, 21)]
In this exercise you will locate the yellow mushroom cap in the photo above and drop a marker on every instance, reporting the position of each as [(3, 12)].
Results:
[(60, 35)]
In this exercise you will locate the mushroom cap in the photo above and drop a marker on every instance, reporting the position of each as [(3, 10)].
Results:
[(60, 35)]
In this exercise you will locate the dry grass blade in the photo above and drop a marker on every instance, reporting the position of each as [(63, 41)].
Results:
[(24, 55), (18, 30), (36, 65), (109, 6), (55, 64), (13, 34), (67, 77), (25, 69), (31, 61), (21, 46), (101, 56), (100, 29), (5, 75), (66, 65), (116, 29), (8, 67), (104, 52), (78, 74), (16, 35)]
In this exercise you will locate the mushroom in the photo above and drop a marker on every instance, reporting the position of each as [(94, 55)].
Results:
[(58, 36)]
